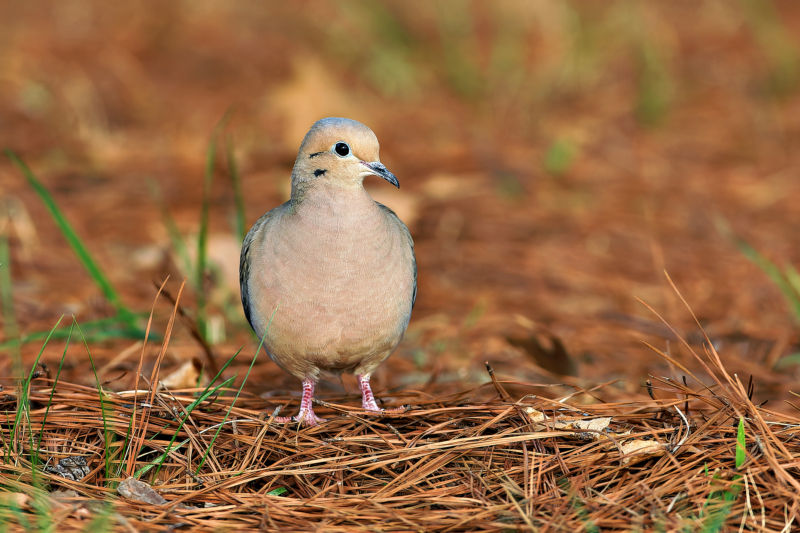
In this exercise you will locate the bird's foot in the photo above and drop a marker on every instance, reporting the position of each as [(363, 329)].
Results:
[(306, 416), (368, 399)]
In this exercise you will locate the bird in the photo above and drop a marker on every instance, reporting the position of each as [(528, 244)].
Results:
[(329, 278)]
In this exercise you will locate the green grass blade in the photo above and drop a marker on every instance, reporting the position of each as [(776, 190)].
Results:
[(34, 459), (716, 519), (22, 520), (124, 448), (102, 522), (178, 243), (202, 237), (774, 273), (43, 513), (52, 392), (189, 409), (787, 283), (95, 330), (741, 456), (74, 241), (9, 315), (22, 401), (170, 448), (106, 433), (205, 393), (654, 84), (775, 40), (787, 361), (203, 396), (227, 414), (200, 377), (4, 518), (238, 194), (793, 277), (559, 157)]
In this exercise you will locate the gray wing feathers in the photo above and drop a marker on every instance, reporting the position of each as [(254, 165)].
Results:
[(410, 241), (244, 263)]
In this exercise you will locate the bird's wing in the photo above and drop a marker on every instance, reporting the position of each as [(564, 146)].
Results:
[(409, 240), (244, 260)]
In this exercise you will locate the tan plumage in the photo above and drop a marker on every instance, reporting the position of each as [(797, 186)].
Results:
[(338, 266)]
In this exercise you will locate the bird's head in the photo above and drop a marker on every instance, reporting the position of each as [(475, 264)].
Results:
[(339, 152)]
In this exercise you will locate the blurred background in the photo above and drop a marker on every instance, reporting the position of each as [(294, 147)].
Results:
[(556, 157)]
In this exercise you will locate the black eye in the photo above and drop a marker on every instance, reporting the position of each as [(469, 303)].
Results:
[(342, 149)]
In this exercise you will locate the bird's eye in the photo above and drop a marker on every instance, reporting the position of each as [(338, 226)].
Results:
[(342, 149)]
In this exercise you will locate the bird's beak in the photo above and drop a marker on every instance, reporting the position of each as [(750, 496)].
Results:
[(377, 169)]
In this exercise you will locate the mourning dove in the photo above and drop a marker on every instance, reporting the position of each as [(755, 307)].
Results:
[(329, 278)]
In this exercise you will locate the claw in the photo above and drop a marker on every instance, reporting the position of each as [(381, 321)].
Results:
[(306, 416), (368, 399)]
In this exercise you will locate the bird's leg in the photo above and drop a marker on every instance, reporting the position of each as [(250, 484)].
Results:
[(368, 399), (306, 415)]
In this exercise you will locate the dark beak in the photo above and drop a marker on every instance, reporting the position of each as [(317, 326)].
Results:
[(377, 169)]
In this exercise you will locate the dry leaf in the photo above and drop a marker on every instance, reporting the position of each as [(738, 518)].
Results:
[(637, 450), (185, 377), (587, 429), (595, 424), (535, 416)]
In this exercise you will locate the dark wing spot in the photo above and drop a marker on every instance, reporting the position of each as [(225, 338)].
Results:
[(414, 296), (319, 172), (244, 278), (244, 265), (315, 155)]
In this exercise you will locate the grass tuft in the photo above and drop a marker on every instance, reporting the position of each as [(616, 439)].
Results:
[(10, 327), (80, 250), (35, 451), (238, 194), (23, 405), (202, 237), (178, 242), (787, 279), (125, 320), (239, 392), (105, 410)]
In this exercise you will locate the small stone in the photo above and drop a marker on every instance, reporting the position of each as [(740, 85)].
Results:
[(133, 489)]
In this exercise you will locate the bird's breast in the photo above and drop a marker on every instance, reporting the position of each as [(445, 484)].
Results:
[(340, 281)]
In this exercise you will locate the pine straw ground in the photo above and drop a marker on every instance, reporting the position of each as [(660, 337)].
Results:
[(448, 464), (691, 459)]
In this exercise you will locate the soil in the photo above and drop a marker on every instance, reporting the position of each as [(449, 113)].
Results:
[(555, 161)]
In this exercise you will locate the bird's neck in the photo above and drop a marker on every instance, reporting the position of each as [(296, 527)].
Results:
[(331, 201)]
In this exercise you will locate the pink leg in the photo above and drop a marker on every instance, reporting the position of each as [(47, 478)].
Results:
[(306, 415), (367, 398)]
